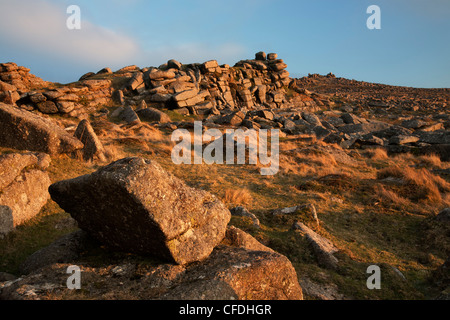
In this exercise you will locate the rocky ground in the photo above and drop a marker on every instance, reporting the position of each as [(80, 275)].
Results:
[(87, 179)]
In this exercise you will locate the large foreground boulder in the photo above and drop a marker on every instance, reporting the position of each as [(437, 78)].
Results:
[(23, 130), (134, 205)]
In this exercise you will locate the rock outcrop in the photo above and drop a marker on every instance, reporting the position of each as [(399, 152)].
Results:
[(15, 81), (74, 101), (209, 88), (93, 148)]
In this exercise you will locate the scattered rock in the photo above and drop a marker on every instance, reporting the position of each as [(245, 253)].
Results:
[(413, 124), (242, 212), (403, 139), (136, 81), (152, 114), (363, 128), (210, 66), (350, 118), (129, 115), (159, 74), (86, 76), (65, 106), (118, 97), (433, 127), (296, 209), (48, 107), (237, 238), (117, 112), (93, 148), (311, 118), (234, 118), (323, 248), (320, 291)]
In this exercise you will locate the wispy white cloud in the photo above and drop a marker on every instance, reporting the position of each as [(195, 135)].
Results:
[(36, 30), (40, 27)]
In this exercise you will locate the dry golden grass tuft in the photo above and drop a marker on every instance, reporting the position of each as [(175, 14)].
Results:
[(146, 132), (237, 197), (377, 154), (390, 198), (142, 137), (431, 160), (113, 153), (406, 157), (418, 184), (288, 165), (307, 162)]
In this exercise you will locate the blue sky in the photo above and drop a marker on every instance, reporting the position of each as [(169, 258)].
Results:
[(320, 36)]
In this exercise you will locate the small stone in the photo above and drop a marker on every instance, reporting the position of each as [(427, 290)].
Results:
[(129, 115), (93, 148), (243, 212), (402, 139), (272, 56), (105, 71), (47, 107), (152, 114), (444, 215), (261, 56), (174, 64)]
